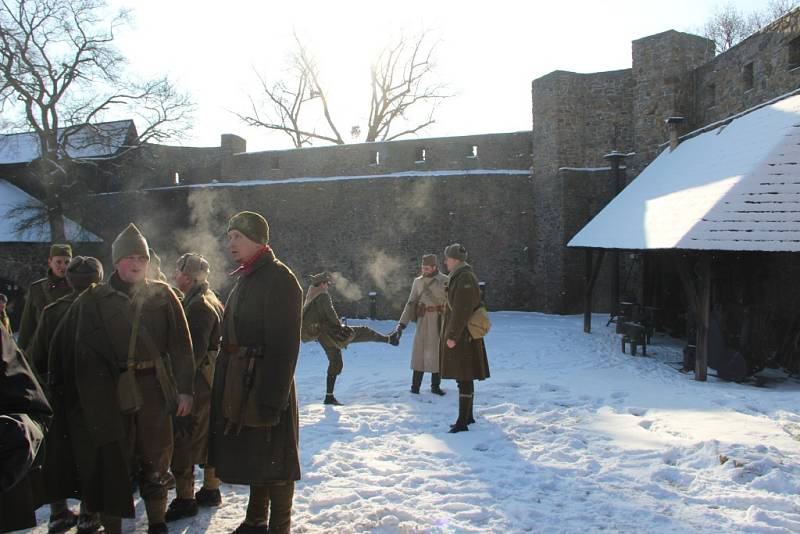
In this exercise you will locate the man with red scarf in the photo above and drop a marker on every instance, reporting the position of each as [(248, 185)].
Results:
[(254, 414)]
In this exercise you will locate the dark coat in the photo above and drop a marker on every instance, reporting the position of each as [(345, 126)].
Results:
[(40, 294), (467, 360), (92, 341), (263, 310), (25, 413), (60, 474)]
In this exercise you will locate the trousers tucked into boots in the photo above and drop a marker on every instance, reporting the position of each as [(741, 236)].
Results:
[(466, 395), (416, 380), (271, 505)]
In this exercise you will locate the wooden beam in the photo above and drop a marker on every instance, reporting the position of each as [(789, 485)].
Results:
[(703, 318), (591, 271)]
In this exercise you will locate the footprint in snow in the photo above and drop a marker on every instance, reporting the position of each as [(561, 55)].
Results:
[(638, 412), (646, 424)]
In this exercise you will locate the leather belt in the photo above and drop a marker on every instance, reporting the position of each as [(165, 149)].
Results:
[(143, 365), (439, 309)]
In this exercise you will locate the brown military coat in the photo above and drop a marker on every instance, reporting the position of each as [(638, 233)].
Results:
[(204, 316), (60, 476), (93, 344), (263, 310), (429, 292), (467, 360), (41, 293)]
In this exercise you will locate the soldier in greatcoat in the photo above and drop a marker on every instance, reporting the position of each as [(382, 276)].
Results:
[(461, 357), (43, 292), (425, 306), (127, 368), (60, 478), (322, 324), (254, 414), (204, 315), (24, 414)]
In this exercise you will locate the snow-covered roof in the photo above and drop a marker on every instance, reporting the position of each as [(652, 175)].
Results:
[(86, 141), (736, 187), (12, 196)]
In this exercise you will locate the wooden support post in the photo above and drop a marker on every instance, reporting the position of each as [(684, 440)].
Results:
[(703, 318), (591, 271)]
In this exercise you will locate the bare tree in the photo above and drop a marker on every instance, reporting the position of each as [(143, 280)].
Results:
[(728, 26), (61, 74), (402, 86), (285, 101)]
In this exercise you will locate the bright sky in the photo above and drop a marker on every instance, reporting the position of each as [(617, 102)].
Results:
[(489, 51)]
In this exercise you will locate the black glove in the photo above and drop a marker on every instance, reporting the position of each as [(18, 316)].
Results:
[(185, 426)]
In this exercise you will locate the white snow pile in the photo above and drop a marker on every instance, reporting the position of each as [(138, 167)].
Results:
[(571, 436)]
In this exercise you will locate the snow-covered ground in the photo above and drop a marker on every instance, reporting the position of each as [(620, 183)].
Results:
[(571, 436)]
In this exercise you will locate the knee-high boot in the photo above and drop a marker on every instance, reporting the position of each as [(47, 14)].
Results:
[(329, 398), (416, 381)]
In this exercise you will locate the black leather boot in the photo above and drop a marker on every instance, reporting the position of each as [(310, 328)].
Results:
[(463, 414), (436, 384), (416, 381), (329, 398)]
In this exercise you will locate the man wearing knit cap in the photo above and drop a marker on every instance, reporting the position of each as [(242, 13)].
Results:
[(204, 315), (60, 474), (322, 324), (44, 292), (5, 322), (128, 368), (254, 415), (460, 356), (425, 306)]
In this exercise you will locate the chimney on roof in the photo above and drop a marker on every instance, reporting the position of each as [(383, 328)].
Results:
[(232, 144), (673, 123)]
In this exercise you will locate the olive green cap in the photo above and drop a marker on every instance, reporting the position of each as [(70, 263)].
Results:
[(429, 260), (60, 250), (84, 271), (130, 242), (252, 225)]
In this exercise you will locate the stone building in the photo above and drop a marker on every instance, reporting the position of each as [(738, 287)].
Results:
[(369, 211)]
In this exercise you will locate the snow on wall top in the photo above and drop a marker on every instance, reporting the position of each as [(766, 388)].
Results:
[(87, 141), (735, 188), (12, 196)]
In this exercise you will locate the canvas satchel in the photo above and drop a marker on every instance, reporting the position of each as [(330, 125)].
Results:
[(479, 323)]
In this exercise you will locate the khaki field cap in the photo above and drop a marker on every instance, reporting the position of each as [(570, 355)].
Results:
[(84, 271), (317, 279), (429, 260), (456, 251), (252, 225), (130, 242), (60, 250), (192, 264)]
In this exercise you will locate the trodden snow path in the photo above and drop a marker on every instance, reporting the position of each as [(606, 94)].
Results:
[(571, 436)]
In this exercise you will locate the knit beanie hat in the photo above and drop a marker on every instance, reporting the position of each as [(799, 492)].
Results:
[(60, 250), (194, 265), (84, 271), (429, 260), (456, 251), (252, 225), (130, 242)]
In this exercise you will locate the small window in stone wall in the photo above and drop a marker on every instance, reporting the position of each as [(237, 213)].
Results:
[(375, 158), (473, 152), (711, 95), (748, 79), (794, 53), (276, 163), (421, 155)]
